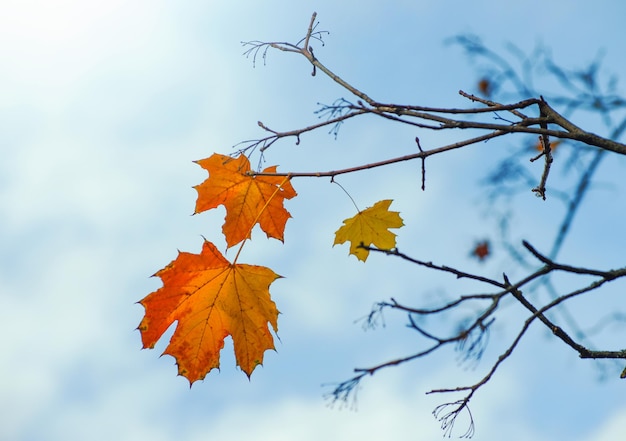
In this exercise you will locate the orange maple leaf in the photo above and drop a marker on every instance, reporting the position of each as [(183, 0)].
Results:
[(248, 199), (484, 85), (553, 145), (368, 227), (211, 299)]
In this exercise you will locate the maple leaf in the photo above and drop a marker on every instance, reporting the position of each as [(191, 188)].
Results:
[(553, 145), (484, 85), (248, 199), (211, 298), (368, 227), (481, 251)]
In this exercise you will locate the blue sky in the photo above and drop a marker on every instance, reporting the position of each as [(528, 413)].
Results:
[(103, 108)]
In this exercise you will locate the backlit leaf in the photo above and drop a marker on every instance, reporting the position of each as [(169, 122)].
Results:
[(248, 199), (481, 251), (370, 227), (484, 86), (210, 298), (553, 145)]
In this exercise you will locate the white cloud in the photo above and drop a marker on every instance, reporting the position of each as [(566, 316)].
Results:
[(613, 428), (386, 410)]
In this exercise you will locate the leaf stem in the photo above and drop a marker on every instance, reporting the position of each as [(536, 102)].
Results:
[(287, 178), (332, 180)]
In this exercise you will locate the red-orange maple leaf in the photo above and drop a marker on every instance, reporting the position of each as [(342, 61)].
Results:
[(484, 85), (481, 250), (248, 199), (211, 298)]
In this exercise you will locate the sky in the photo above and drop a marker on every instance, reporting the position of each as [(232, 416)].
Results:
[(104, 106)]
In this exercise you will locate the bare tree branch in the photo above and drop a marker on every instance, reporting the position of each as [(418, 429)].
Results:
[(527, 112)]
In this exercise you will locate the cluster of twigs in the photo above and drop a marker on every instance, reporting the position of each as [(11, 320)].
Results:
[(471, 337), (529, 113)]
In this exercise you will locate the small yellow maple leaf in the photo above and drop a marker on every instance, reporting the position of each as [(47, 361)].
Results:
[(370, 226)]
